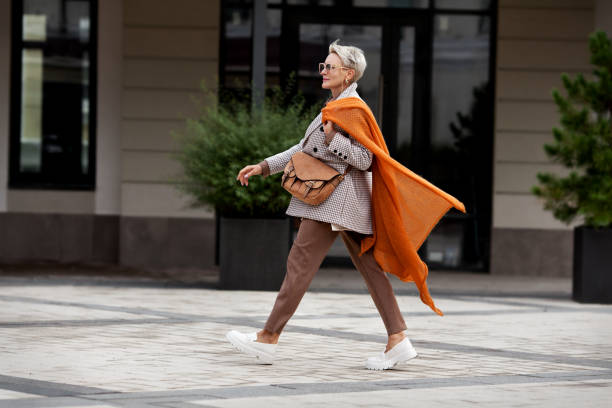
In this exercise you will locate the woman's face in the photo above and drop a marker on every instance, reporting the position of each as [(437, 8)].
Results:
[(334, 78)]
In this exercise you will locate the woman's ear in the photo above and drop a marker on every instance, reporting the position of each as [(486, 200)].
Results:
[(351, 75)]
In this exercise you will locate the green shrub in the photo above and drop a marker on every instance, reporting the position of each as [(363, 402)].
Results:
[(583, 143), (228, 136)]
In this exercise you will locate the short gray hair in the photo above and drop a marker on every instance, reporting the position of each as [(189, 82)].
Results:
[(351, 57)]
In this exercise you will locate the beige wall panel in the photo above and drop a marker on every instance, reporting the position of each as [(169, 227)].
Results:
[(155, 104), (539, 55), (149, 167), (49, 201), (524, 211), (531, 85), (157, 200), (526, 116), (191, 13), (163, 73), (172, 43), (547, 24), (525, 147), (546, 3), (520, 177), (149, 135)]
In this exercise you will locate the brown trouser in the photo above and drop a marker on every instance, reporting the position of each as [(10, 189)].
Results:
[(313, 240)]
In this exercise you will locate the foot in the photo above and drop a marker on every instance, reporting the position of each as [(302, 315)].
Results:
[(394, 339), (248, 344), (400, 353), (264, 336)]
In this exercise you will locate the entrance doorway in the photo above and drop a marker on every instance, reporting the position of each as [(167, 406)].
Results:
[(397, 86)]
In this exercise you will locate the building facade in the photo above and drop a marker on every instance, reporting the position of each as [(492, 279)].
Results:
[(90, 92)]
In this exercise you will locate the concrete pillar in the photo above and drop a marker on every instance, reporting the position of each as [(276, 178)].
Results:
[(603, 16), (110, 86), (259, 51), (5, 97)]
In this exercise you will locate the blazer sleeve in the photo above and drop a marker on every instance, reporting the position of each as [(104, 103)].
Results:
[(350, 150), (276, 164)]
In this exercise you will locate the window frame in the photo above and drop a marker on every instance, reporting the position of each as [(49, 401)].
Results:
[(23, 180)]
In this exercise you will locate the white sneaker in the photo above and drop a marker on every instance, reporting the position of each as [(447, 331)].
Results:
[(401, 352), (246, 343)]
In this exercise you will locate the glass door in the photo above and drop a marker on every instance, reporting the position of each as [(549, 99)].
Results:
[(394, 57)]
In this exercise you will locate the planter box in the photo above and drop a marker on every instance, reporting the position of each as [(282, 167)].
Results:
[(253, 253), (592, 281)]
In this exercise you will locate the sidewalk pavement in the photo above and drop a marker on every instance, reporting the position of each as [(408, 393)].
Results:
[(78, 339)]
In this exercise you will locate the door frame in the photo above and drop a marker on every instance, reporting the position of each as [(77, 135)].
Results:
[(391, 24)]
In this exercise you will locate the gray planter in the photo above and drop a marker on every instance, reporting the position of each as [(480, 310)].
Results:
[(253, 252), (592, 281)]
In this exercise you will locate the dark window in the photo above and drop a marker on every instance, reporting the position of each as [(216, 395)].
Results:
[(236, 44), (53, 94)]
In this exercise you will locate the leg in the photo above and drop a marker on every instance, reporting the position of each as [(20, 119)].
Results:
[(379, 287), (312, 243)]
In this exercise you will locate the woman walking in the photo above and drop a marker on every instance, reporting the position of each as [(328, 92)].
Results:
[(368, 210)]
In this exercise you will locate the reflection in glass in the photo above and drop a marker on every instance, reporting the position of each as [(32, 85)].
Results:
[(34, 27), (238, 22), (273, 32), (311, 2), (314, 48), (31, 110), (392, 3), (85, 113), (463, 4), (461, 123), (405, 85), (460, 63)]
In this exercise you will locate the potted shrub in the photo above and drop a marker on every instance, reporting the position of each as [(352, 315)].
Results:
[(254, 233), (583, 143)]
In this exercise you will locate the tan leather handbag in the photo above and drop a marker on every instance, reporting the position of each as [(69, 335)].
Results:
[(309, 179)]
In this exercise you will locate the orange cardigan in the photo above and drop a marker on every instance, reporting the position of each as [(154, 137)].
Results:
[(405, 206)]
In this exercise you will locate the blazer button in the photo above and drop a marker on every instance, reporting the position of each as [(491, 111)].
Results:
[(335, 150), (314, 149), (344, 157)]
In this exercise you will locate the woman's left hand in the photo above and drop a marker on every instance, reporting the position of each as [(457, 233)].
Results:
[(328, 129)]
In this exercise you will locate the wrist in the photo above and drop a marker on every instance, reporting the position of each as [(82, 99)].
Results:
[(265, 169)]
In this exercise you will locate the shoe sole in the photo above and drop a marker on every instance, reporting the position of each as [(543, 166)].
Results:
[(262, 357), (402, 358)]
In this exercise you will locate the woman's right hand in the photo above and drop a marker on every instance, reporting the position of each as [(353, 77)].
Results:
[(248, 171)]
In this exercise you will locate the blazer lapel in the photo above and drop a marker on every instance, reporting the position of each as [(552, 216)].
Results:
[(312, 127)]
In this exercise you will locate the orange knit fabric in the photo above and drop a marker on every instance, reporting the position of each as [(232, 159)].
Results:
[(405, 206)]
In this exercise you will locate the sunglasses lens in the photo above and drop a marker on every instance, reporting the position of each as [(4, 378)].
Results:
[(323, 67)]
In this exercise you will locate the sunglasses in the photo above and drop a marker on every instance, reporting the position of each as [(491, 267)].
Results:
[(328, 67)]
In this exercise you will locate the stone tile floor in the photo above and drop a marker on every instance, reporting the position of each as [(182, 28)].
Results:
[(108, 343)]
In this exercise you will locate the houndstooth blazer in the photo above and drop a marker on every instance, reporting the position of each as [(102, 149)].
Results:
[(349, 205)]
